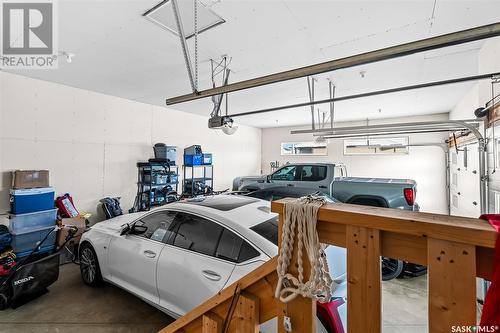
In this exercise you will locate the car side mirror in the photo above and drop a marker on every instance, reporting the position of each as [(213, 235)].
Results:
[(125, 229), (138, 229), (268, 178)]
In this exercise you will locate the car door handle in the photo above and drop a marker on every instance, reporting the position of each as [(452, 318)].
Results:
[(290, 185), (149, 254), (211, 275), (322, 186)]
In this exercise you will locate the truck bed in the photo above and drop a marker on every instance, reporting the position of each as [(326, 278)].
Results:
[(377, 180)]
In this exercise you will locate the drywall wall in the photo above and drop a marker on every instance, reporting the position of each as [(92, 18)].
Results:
[(466, 106), (91, 142), (426, 165)]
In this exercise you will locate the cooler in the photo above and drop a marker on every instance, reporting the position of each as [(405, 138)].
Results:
[(31, 200)]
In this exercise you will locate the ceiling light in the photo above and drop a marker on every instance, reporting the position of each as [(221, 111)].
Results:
[(229, 130), (162, 14)]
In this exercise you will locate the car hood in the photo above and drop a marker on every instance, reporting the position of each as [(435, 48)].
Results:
[(116, 224)]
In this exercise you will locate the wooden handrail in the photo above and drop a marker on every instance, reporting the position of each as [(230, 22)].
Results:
[(455, 249)]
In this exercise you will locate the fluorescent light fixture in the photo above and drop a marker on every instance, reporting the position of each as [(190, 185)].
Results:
[(162, 15)]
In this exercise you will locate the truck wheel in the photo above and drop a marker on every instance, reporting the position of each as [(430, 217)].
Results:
[(391, 268), (4, 301)]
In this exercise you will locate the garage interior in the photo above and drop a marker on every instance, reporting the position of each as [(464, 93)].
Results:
[(224, 98)]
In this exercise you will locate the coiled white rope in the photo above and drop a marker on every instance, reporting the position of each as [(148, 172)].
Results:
[(300, 216)]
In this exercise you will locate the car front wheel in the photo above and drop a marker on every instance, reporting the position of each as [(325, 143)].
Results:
[(89, 266)]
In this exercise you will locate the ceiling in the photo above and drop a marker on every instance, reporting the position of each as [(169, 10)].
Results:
[(120, 53)]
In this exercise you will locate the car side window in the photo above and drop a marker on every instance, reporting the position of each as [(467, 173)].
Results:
[(197, 234), (159, 225), (313, 173), (286, 173), (233, 248)]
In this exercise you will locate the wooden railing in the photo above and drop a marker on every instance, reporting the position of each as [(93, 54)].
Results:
[(455, 249)]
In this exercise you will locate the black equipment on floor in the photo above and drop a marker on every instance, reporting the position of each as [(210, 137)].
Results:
[(31, 276), (5, 237), (111, 207)]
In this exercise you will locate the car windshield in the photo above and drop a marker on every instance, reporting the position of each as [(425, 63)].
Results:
[(268, 230)]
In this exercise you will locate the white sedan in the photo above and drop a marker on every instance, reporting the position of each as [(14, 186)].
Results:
[(177, 256)]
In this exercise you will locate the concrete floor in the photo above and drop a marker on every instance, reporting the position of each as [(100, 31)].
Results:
[(71, 307), (404, 305)]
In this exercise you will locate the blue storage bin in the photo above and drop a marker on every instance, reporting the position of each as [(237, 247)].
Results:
[(43, 249), (26, 241), (19, 223), (193, 159), (31, 200), (207, 159)]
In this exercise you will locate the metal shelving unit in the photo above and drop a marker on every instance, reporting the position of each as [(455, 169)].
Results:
[(155, 183), (193, 185)]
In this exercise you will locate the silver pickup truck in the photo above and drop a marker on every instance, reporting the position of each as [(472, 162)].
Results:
[(331, 178)]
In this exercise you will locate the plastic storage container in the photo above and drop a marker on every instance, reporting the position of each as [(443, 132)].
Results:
[(193, 160), (43, 249), (31, 200), (19, 223), (207, 159), (23, 243), (163, 151)]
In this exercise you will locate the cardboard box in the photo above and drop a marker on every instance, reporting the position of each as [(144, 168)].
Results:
[(23, 179), (78, 222)]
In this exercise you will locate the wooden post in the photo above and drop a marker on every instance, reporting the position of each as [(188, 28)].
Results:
[(211, 323), (364, 309), (246, 315), (452, 285), (301, 311)]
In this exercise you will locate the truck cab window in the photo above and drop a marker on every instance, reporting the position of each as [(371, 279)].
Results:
[(286, 173), (313, 173)]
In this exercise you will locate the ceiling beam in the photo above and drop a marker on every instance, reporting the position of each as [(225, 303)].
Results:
[(454, 38), (369, 94), (464, 124)]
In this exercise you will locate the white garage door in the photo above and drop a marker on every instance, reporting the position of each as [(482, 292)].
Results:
[(464, 181)]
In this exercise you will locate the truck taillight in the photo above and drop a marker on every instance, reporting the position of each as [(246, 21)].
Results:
[(409, 196)]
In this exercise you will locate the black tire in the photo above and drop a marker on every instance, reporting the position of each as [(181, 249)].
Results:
[(4, 301), (89, 266), (391, 268)]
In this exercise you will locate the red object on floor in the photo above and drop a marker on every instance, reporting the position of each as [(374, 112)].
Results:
[(66, 206), (329, 316), (491, 308)]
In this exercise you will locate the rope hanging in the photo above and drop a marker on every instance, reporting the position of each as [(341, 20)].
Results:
[(301, 218)]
